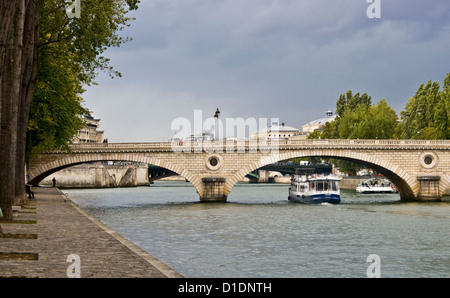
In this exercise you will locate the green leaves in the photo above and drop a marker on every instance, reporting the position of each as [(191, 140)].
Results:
[(56, 106), (428, 113), (348, 101), (87, 37), (358, 119), (71, 53), (368, 122)]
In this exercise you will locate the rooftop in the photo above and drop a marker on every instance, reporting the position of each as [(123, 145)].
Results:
[(329, 117), (279, 128)]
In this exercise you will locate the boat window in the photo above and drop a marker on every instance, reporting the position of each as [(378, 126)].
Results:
[(319, 186), (333, 185)]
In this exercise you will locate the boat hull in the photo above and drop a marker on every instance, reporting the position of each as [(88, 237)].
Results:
[(315, 199), (371, 190), (375, 191)]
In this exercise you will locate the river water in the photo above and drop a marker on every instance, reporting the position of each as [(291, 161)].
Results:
[(259, 233)]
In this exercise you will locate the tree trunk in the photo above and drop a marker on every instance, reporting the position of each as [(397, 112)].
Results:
[(8, 134), (7, 157), (16, 91), (6, 145), (29, 67), (16, 73)]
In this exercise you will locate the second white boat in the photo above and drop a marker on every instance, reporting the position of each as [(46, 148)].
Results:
[(376, 185)]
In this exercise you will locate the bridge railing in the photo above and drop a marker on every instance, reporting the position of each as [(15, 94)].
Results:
[(367, 142), (225, 145)]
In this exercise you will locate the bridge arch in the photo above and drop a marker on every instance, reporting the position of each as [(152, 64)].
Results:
[(405, 183), (39, 173)]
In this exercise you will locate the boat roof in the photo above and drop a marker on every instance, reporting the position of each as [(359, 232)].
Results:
[(318, 178), (376, 179)]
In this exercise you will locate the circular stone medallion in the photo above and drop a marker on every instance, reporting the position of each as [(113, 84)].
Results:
[(428, 160), (214, 162)]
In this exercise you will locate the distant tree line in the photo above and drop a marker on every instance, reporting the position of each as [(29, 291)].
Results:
[(426, 116)]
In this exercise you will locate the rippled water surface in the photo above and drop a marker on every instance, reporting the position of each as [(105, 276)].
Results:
[(258, 233)]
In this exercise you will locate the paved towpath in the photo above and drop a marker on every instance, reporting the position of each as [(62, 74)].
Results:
[(60, 228)]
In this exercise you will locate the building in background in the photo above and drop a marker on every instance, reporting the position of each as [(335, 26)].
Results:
[(275, 132), (91, 132), (318, 123), (313, 125)]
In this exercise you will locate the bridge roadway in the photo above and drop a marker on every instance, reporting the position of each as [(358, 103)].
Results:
[(420, 169)]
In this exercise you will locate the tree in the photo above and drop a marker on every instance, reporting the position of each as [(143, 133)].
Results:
[(369, 122), (23, 24), (385, 121), (358, 119), (317, 134), (18, 66), (348, 101), (330, 130), (427, 113), (444, 108), (353, 124), (56, 106)]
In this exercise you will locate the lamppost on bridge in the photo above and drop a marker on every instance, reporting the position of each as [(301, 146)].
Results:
[(216, 125), (419, 112), (407, 125)]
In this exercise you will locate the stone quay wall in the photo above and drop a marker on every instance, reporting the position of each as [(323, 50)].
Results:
[(99, 175)]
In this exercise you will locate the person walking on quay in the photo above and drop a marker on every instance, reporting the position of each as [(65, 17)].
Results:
[(54, 181)]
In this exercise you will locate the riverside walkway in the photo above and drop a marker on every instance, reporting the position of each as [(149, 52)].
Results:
[(49, 229)]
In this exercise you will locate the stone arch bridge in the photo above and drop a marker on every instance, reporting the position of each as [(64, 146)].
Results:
[(420, 169)]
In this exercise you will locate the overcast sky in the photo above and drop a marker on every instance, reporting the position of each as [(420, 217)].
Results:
[(286, 59)]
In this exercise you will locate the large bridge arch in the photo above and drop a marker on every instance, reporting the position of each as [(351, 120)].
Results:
[(41, 172), (405, 183)]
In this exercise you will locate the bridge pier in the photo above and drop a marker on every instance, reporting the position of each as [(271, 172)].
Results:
[(429, 188), (214, 190)]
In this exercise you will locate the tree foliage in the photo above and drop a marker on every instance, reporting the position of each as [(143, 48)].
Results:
[(87, 37), (70, 54), (427, 114), (358, 119), (349, 101), (433, 121), (56, 106), (369, 122)]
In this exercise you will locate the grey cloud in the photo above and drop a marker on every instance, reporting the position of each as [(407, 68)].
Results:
[(265, 58)]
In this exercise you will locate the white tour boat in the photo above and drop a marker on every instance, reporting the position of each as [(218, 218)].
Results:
[(314, 189), (376, 185)]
